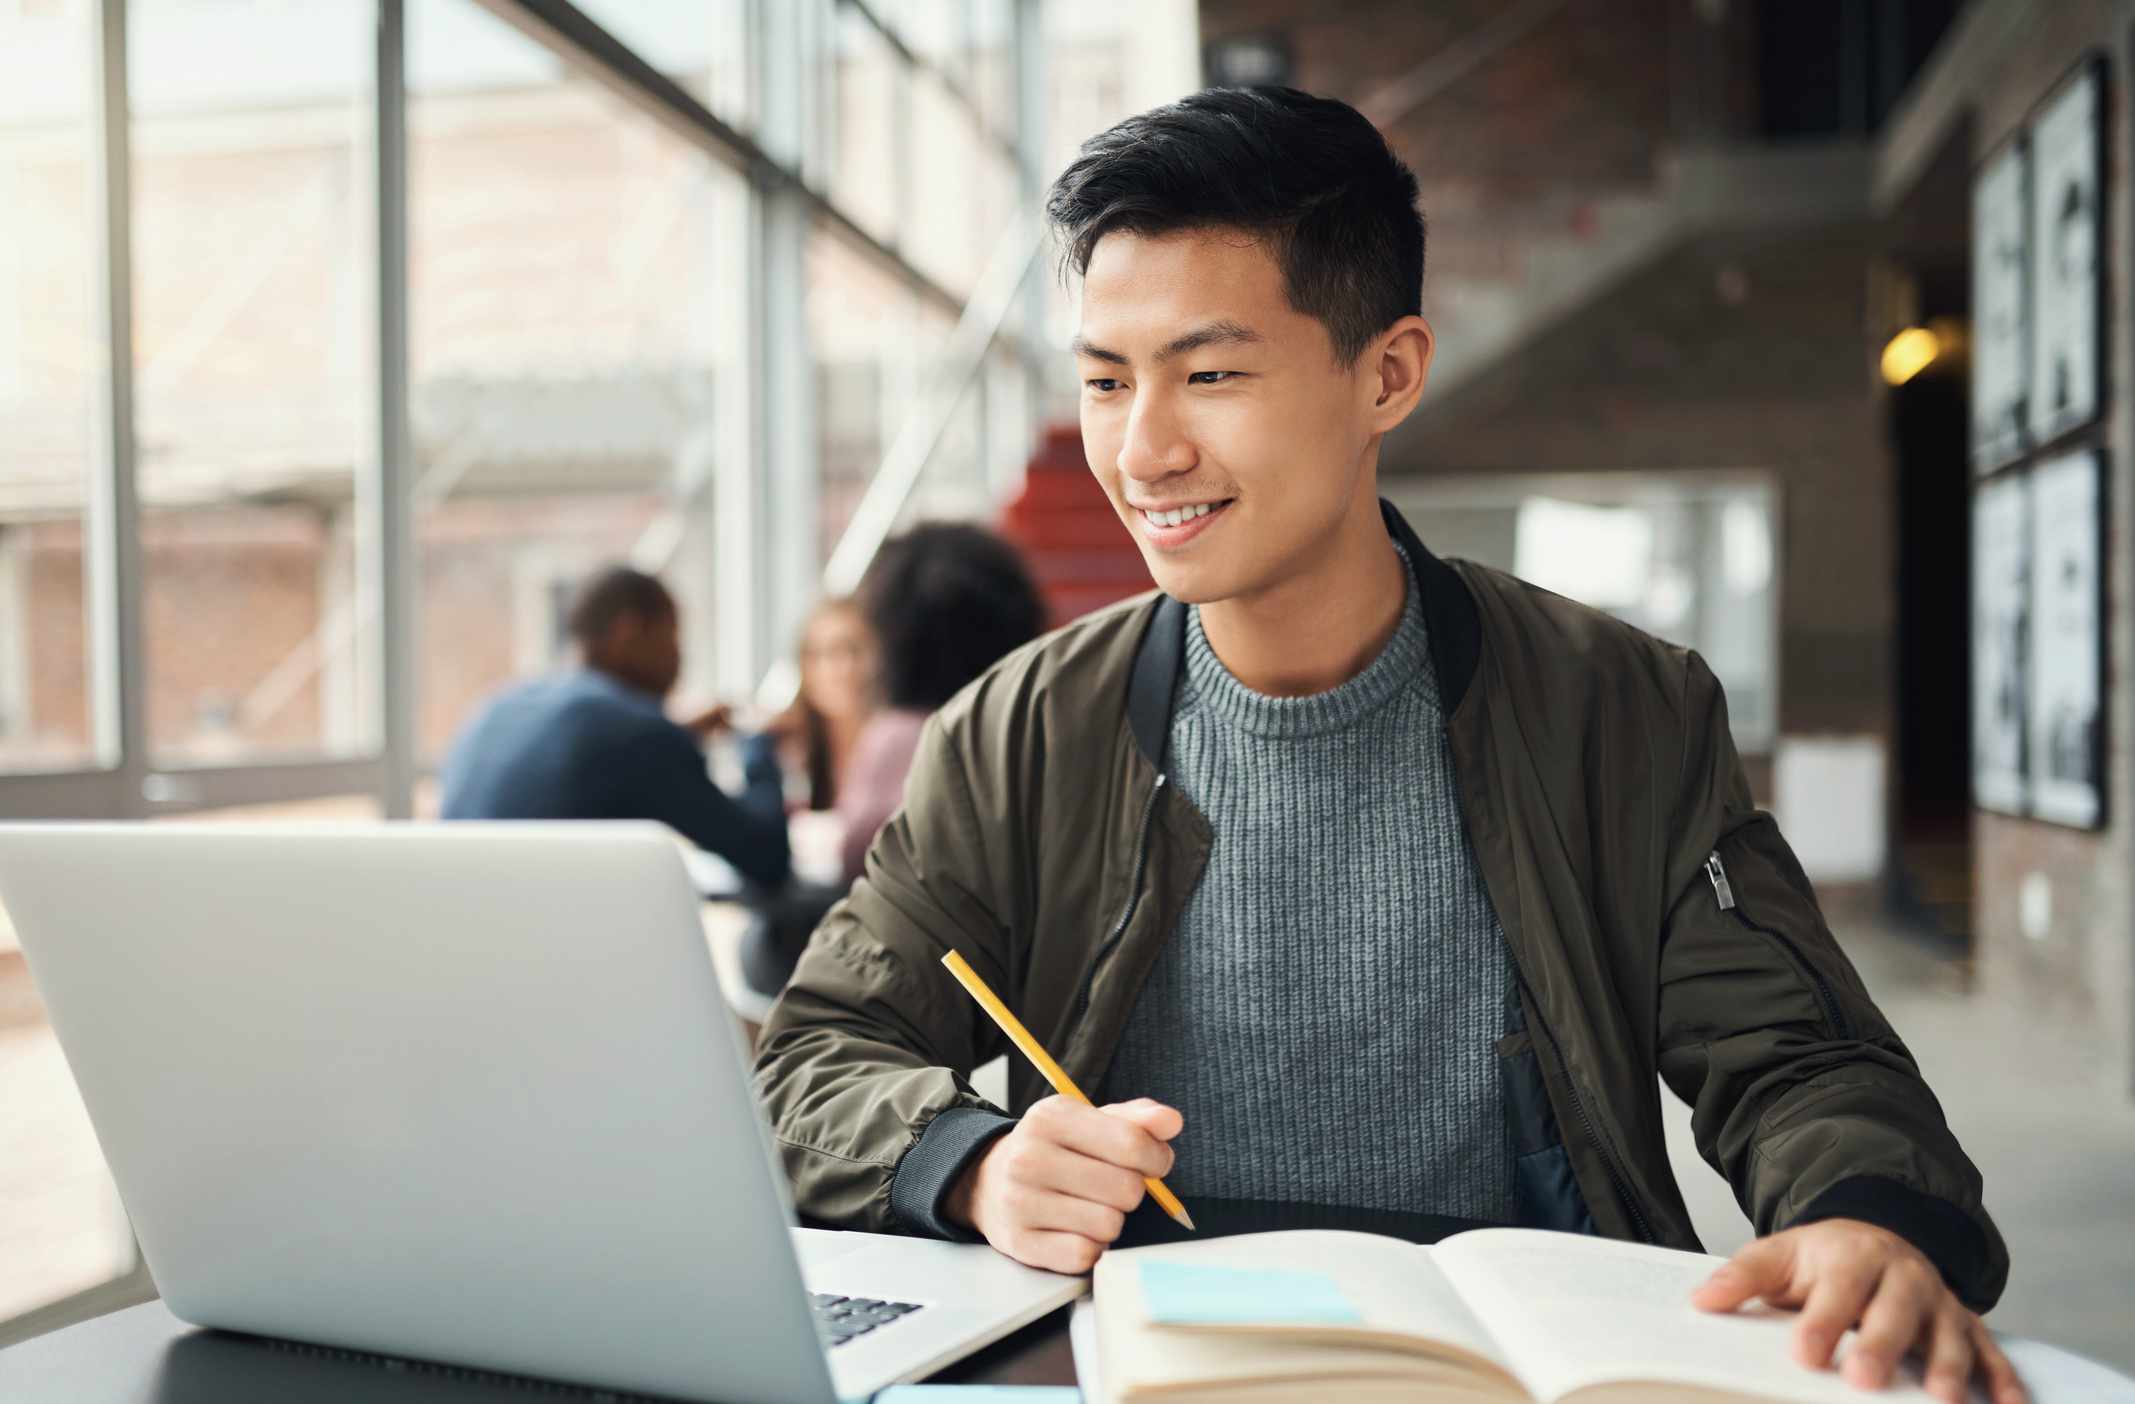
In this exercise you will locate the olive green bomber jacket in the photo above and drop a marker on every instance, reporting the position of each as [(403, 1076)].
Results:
[(1660, 929)]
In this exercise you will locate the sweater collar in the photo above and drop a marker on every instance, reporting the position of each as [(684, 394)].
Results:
[(1404, 661), (1451, 619)]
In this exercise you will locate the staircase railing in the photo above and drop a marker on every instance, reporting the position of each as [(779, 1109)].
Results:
[(904, 462)]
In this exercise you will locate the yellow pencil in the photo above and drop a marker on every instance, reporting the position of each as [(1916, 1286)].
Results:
[(1043, 1062)]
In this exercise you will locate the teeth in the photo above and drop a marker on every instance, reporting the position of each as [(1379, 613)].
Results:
[(1179, 515)]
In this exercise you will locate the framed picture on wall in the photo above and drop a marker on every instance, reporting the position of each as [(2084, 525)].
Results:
[(2001, 643), (2067, 233), (2001, 303), (2065, 708)]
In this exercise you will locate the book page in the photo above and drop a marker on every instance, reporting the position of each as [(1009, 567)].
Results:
[(1572, 1312), (1406, 1308)]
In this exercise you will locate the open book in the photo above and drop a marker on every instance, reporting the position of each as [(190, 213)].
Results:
[(1492, 1314)]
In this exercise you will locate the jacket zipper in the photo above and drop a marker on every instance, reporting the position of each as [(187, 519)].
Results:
[(1134, 899), (1825, 997), (1618, 1179)]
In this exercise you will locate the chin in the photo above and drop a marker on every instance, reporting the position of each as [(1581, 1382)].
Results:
[(1189, 584)]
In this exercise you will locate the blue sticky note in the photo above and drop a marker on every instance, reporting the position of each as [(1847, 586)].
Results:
[(1185, 1294), (981, 1394)]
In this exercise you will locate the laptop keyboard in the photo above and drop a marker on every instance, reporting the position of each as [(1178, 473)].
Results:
[(849, 1318)]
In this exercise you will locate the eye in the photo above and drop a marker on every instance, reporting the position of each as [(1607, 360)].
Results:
[(1101, 385), (1211, 377)]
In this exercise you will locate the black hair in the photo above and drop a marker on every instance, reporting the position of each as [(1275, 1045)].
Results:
[(1309, 175), (946, 601), (609, 594)]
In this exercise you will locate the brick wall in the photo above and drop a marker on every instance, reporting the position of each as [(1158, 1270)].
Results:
[(229, 595), (1733, 352), (1741, 353), (1580, 102), (2079, 971)]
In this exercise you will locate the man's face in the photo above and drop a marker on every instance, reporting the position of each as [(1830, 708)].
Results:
[(1204, 390), (644, 650)]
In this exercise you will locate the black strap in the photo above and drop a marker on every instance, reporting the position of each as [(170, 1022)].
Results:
[(1449, 612), (1155, 679)]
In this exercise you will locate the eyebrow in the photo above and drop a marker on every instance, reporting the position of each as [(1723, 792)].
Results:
[(1223, 333)]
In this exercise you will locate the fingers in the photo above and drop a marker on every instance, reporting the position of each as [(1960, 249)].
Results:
[(1117, 1139), (1950, 1349), (1763, 1269), (1057, 1189), (1055, 1252), (1033, 1166), (2003, 1386), (1835, 1302), (1068, 1213), (1903, 1308), (1151, 1115)]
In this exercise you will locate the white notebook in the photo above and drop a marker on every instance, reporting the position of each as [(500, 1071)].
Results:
[(1493, 1314)]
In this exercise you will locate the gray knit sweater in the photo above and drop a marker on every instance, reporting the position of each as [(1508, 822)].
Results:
[(1325, 1015)]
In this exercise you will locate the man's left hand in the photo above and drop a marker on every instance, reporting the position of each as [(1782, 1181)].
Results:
[(708, 722), (1842, 1274)]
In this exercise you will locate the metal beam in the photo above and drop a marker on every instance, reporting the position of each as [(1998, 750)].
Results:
[(113, 538), (389, 495), (785, 472), (179, 790), (564, 29), (919, 62), (1029, 40)]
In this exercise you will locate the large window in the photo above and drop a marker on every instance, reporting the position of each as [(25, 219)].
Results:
[(61, 1230), (874, 343), (51, 374), (254, 372), (578, 365), (701, 44), (1690, 559), (624, 323), (964, 185)]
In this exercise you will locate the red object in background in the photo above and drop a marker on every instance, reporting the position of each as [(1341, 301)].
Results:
[(1076, 546)]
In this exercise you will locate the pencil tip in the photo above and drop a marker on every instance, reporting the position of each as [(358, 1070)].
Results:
[(1188, 1220)]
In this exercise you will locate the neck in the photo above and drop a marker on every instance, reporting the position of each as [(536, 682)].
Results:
[(840, 732), (617, 675), (1322, 626)]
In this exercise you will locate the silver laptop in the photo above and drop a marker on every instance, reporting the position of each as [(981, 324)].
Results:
[(465, 1093)]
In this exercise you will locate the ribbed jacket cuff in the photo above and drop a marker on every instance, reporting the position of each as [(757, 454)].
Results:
[(924, 1176), (1948, 1236), (759, 760)]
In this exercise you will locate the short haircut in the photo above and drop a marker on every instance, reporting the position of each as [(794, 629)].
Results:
[(609, 594), (946, 602), (1308, 175)]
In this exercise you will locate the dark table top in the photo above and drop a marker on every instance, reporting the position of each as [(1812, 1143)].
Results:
[(144, 1355)]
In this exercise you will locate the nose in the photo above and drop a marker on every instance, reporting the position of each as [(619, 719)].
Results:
[(1155, 447)]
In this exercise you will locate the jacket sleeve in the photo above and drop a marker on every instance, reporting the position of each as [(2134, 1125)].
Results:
[(864, 1063), (661, 775), (1802, 1095)]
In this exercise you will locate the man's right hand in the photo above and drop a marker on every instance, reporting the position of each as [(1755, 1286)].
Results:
[(1055, 1191)]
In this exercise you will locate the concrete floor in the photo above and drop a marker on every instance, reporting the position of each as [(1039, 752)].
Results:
[(2053, 1135), (2051, 1130)]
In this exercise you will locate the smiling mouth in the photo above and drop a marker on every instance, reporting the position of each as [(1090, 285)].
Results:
[(1180, 516)]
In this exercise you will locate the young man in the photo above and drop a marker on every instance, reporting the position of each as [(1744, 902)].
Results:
[(1394, 881), (594, 742)]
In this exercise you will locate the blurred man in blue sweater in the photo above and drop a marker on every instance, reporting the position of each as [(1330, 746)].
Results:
[(595, 742)]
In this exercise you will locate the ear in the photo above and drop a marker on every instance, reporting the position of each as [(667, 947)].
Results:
[(1399, 364)]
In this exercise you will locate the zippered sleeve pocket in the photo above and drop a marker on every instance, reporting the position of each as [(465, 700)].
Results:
[(1798, 1087), (1746, 944), (1836, 1021)]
